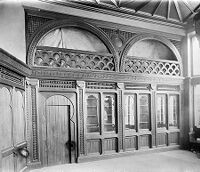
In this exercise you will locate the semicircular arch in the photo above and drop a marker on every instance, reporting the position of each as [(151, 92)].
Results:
[(142, 37), (52, 25)]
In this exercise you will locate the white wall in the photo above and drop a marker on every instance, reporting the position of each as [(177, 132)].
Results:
[(12, 28)]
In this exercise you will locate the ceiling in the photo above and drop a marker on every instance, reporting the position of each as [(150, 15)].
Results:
[(173, 11)]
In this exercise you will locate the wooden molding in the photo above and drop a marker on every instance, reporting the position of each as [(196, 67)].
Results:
[(12, 63)]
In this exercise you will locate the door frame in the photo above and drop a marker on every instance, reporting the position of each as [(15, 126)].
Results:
[(42, 97)]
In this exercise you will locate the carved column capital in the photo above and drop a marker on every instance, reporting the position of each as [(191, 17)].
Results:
[(81, 84), (120, 86), (32, 82)]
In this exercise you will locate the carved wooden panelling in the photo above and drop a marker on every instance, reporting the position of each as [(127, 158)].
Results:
[(144, 141), (93, 146), (100, 85), (57, 84), (174, 138), (135, 65), (110, 144), (122, 34), (33, 23), (57, 57), (130, 142), (161, 139), (177, 44), (11, 76)]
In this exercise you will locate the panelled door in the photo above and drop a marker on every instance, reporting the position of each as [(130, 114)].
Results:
[(58, 135)]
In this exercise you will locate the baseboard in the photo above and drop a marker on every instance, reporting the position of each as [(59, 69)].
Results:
[(83, 159)]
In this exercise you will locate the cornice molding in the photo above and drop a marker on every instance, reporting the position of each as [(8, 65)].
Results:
[(127, 21), (119, 12), (12, 63)]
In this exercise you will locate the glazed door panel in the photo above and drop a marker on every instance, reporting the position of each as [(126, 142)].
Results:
[(57, 130)]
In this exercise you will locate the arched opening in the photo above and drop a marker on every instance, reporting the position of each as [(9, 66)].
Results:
[(151, 49), (149, 54), (72, 45)]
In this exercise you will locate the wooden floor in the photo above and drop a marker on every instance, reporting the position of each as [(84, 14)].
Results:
[(171, 161)]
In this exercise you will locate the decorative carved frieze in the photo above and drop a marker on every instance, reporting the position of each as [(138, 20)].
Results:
[(57, 57), (57, 84), (100, 75), (10, 76), (100, 85), (135, 65)]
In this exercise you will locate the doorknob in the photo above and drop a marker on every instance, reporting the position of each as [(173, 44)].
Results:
[(70, 145)]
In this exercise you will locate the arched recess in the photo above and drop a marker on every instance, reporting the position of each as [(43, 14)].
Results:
[(133, 41), (52, 25)]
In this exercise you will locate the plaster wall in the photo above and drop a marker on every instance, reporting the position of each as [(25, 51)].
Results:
[(12, 28)]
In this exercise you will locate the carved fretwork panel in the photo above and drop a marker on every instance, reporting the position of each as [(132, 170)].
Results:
[(100, 85), (56, 84), (33, 23), (135, 65), (57, 57), (10, 76)]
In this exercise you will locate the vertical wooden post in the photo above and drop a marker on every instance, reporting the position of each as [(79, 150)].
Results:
[(81, 130), (32, 123)]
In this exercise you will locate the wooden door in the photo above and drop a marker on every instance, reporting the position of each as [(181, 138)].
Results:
[(57, 130)]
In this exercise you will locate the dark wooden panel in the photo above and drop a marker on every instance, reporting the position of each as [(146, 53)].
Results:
[(93, 147), (161, 139), (130, 142), (174, 138), (57, 129), (110, 144), (144, 141)]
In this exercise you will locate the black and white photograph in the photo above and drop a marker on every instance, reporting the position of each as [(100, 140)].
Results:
[(99, 85)]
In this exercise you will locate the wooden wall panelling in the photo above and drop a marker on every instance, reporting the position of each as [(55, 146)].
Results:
[(173, 138), (94, 147), (6, 132), (110, 145), (130, 143)]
